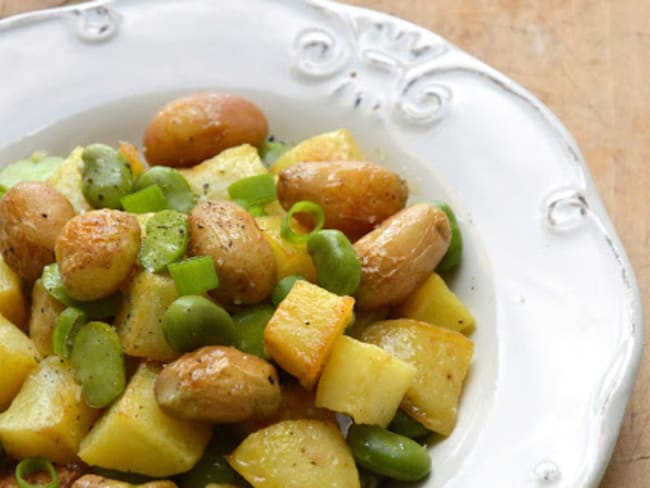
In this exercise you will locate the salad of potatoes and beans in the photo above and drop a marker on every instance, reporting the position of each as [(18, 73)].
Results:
[(232, 312)]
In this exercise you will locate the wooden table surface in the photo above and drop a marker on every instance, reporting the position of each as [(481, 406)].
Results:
[(588, 61)]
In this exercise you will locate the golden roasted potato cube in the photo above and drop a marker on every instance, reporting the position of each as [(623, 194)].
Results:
[(18, 357), (303, 329), (210, 179), (139, 319), (363, 381), (289, 258), (442, 358), (48, 416), (12, 299), (44, 311), (433, 302), (338, 145), (296, 454), (67, 179), (136, 435)]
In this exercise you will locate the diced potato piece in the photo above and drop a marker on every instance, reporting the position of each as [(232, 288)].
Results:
[(139, 319), (435, 303), (136, 435), (303, 329), (48, 416), (338, 145), (211, 178), (363, 381), (44, 311), (442, 358), (289, 258), (18, 357), (296, 454), (12, 299), (67, 179)]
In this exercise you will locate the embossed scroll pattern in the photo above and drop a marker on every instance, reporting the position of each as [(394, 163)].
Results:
[(362, 57)]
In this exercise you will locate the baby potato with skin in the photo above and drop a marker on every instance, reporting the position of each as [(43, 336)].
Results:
[(400, 254), (356, 196), (241, 254), (194, 128), (218, 384), (32, 214), (96, 252)]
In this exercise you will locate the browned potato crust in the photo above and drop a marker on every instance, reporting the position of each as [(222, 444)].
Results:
[(96, 481), (242, 256), (192, 129), (400, 254), (32, 215), (218, 384), (66, 474), (356, 196), (96, 252)]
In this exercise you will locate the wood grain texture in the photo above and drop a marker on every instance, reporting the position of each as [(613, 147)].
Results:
[(587, 60)]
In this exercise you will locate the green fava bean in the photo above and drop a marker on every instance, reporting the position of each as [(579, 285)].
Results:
[(106, 176), (454, 253), (165, 241), (338, 268), (388, 454), (174, 186), (98, 363), (213, 467), (283, 288), (406, 425), (193, 321), (250, 325)]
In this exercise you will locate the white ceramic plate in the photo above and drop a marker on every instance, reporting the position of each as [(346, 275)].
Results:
[(559, 319)]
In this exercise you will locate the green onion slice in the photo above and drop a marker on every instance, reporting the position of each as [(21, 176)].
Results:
[(254, 190), (149, 199), (304, 206), (194, 276), (33, 465)]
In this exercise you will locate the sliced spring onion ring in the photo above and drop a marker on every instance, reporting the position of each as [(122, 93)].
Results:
[(304, 206), (35, 465)]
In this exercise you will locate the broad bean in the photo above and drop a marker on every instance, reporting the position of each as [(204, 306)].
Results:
[(106, 176), (388, 454), (192, 321), (338, 268), (98, 363)]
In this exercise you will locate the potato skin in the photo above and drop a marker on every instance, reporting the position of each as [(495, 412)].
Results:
[(96, 252), (356, 196), (194, 128), (400, 254), (242, 256), (218, 384), (32, 214)]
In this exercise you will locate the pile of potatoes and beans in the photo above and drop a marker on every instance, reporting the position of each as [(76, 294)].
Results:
[(232, 312)]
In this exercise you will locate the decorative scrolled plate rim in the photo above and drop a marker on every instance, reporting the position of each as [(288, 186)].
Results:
[(560, 326)]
